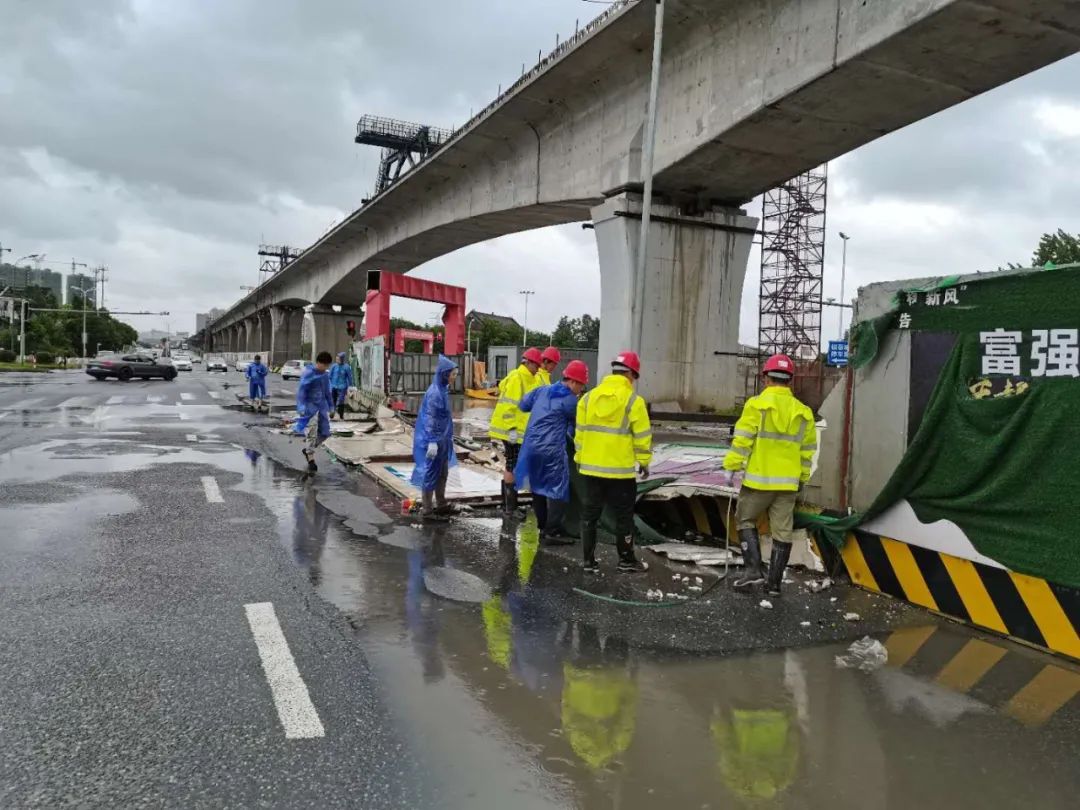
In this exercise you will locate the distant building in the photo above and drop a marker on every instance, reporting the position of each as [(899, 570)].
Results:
[(77, 282), (20, 277), (201, 320), (474, 318)]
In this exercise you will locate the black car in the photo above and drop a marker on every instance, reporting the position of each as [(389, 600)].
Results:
[(131, 365)]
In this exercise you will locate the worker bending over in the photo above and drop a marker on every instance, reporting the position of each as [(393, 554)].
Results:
[(774, 442), (613, 440), (508, 422), (544, 464)]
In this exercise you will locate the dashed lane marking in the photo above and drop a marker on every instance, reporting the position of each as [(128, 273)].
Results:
[(294, 707), (186, 396), (210, 487), (114, 400), (214, 394), (153, 398)]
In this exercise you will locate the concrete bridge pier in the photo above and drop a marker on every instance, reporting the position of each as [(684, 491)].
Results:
[(328, 329), (287, 323), (685, 308), (264, 331)]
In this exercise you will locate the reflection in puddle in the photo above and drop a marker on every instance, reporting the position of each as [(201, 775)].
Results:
[(506, 698)]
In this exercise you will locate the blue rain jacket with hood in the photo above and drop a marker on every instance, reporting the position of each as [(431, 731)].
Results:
[(313, 393), (435, 423), (256, 377), (340, 376), (543, 465)]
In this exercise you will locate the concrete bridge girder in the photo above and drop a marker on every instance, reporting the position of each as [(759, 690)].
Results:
[(752, 94)]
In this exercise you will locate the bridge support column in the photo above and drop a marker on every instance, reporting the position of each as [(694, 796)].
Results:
[(328, 334), (264, 331), (286, 326), (685, 309)]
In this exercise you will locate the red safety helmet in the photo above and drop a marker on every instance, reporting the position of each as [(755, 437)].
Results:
[(628, 360), (552, 354), (532, 356), (576, 371), (779, 365)]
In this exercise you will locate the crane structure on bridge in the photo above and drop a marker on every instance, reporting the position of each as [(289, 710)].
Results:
[(275, 259), (404, 145)]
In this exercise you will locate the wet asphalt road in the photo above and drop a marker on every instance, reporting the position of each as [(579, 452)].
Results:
[(443, 667)]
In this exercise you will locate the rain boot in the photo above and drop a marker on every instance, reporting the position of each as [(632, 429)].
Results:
[(588, 545), (780, 554), (753, 571)]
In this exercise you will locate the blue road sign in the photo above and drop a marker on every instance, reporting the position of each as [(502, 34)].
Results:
[(837, 352)]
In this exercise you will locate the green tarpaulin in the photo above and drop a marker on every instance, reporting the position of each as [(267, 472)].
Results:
[(998, 449)]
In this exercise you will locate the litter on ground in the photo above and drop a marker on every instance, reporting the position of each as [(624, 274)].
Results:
[(765, 603), (866, 655)]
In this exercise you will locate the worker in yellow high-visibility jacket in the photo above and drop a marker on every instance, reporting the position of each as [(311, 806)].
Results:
[(508, 421), (548, 361), (612, 441), (774, 444)]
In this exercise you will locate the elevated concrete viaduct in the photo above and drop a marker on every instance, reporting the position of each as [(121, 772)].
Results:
[(753, 92)]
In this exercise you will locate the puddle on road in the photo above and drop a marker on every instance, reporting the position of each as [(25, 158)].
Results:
[(509, 705), (40, 523)]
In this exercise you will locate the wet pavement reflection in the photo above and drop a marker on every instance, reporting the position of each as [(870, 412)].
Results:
[(511, 703)]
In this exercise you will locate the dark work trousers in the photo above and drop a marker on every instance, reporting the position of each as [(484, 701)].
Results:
[(509, 493), (620, 495), (440, 489), (550, 514), (339, 401)]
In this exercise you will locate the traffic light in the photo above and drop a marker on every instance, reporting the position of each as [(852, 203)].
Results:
[(350, 327)]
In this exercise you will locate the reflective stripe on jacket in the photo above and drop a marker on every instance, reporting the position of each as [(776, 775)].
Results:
[(508, 416), (612, 431), (774, 441)]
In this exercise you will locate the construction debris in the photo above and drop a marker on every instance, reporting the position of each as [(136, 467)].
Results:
[(865, 655)]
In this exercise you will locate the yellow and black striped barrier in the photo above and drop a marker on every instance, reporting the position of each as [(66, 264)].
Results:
[(1017, 684), (1025, 608)]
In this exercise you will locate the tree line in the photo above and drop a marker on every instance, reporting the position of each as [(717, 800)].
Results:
[(60, 333)]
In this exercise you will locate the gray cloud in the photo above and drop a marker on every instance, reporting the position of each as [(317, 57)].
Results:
[(167, 139)]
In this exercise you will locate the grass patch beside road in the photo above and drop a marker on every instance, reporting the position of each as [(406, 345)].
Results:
[(27, 367)]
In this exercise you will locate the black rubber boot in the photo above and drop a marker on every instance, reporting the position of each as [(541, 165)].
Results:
[(780, 554), (588, 546), (753, 572), (510, 500)]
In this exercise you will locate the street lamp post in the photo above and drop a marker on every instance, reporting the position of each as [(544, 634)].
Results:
[(83, 291), (647, 154), (843, 279), (525, 327)]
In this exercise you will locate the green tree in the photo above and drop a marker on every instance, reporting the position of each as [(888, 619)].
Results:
[(577, 333), (1057, 248)]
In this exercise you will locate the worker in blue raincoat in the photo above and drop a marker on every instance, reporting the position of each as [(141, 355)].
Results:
[(256, 376), (313, 400), (341, 380), (544, 463), (433, 442)]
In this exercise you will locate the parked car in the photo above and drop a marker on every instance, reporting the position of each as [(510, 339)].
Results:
[(216, 364), (182, 362), (142, 366), (292, 370), (241, 365)]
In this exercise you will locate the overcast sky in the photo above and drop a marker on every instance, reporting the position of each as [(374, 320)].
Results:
[(167, 139)]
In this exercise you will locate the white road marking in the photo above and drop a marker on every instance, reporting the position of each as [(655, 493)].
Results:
[(184, 416), (186, 396), (291, 698), (155, 399), (114, 400), (26, 404), (191, 437), (3, 414), (214, 394), (210, 487)]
